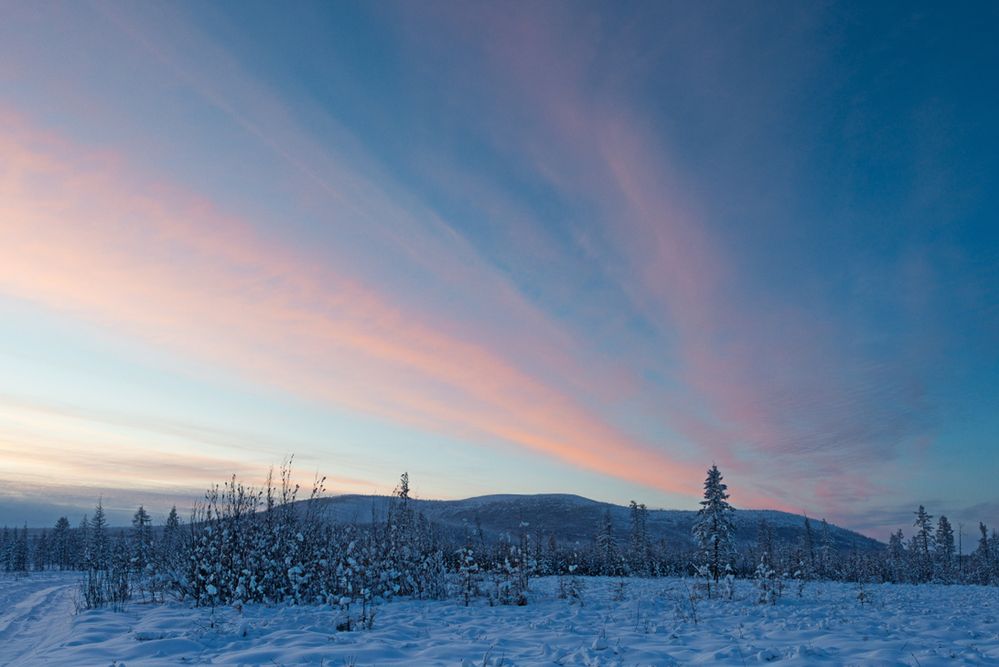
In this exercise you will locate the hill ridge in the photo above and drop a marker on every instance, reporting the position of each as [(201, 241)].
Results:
[(574, 518)]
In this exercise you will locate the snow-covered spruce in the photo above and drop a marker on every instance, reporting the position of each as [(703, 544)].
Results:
[(714, 529)]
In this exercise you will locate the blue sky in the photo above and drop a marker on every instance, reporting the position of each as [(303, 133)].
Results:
[(583, 247)]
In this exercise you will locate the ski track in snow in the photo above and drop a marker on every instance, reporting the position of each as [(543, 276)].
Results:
[(649, 624), (35, 614)]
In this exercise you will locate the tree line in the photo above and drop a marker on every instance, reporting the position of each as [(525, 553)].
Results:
[(243, 544)]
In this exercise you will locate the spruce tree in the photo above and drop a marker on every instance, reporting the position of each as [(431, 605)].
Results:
[(994, 551), (20, 558), (921, 542), (469, 572), (60, 544), (713, 529), (639, 546), (943, 550), (40, 552), (100, 548), (767, 581), (825, 551), (765, 542), (172, 520), (169, 548), (896, 557), (982, 557), (5, 549), (607, 555), (142, 539), (808, 548)]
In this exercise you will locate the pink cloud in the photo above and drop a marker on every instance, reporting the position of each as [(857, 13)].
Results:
[(766, 388), (761, 387), (90, 235)]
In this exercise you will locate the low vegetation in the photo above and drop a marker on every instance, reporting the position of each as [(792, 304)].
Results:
[(265, 545)]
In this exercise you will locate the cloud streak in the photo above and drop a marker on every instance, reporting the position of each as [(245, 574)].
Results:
[(168, 267), (563, 233), (769, 385)]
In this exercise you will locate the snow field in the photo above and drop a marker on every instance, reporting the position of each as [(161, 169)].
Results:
[(642, 622)]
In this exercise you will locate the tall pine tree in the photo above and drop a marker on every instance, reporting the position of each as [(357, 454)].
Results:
[(713, 529), (921, 542), (982, 557), (142, 539), (640, 551), (99, 547), (60, 545), (606, 544), (943, 550)]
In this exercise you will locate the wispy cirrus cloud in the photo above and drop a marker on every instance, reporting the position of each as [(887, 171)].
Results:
[(168, 267), (563, 233), (758, 380)]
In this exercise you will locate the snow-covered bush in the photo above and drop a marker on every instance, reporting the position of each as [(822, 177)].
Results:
[(768, 585)]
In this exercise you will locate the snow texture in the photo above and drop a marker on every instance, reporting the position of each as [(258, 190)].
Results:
[(645, 622)]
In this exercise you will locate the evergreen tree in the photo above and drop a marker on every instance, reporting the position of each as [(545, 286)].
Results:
[(59, 544), (20, 557), (983, 542), (469, 573), (142, 539), (639, 539), (168, 551), (768, 583), (402, 491), (172, 521), (825, 551), (994, 552), (402, 548), (982, 557), (99, 549), (607, 554), (83, 544), (808, 549), (921, 542), (896, 557), (40, 555), (943, 550), (713, 528), (765, 542), (117, 580), (6, 547)]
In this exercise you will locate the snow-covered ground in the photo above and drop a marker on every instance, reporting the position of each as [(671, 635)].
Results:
[(650, 622)]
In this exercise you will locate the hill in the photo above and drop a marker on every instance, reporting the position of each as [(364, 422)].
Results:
[(570, 518)]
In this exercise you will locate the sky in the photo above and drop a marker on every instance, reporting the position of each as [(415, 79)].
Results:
[(509, 247)]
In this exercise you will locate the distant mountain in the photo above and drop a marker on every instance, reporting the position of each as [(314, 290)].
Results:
[(572, 518)]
